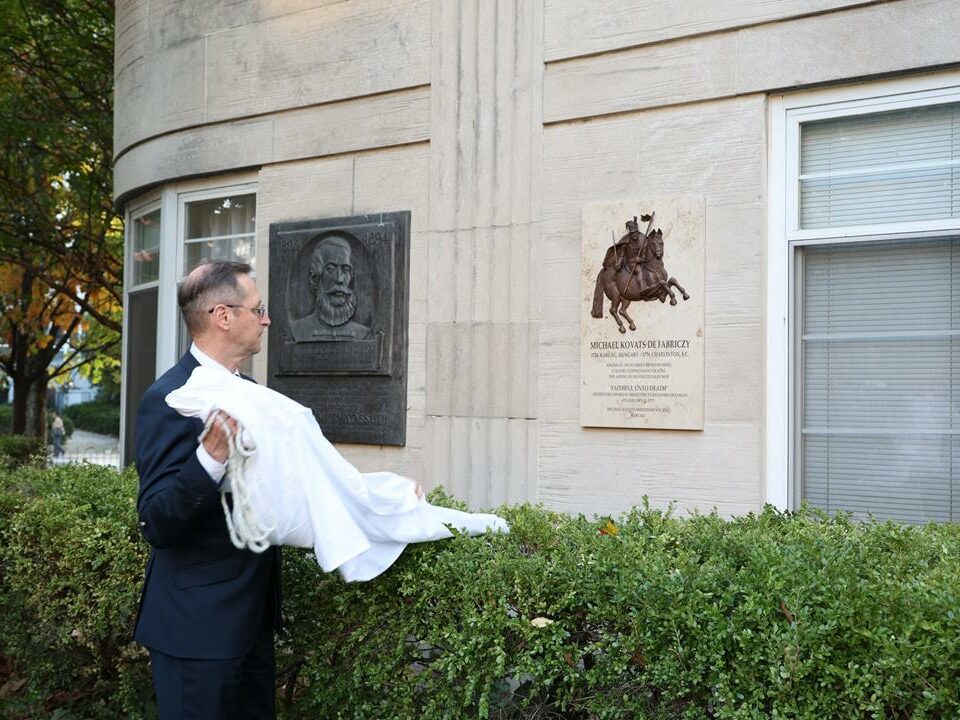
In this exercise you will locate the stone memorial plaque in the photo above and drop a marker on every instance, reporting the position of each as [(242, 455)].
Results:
[(642, 367), (339, 309)]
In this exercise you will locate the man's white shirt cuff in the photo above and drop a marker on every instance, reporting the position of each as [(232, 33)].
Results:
[(215, 469)]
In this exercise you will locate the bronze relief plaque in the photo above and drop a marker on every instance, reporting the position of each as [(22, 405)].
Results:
[(339, 311), (642, 314)]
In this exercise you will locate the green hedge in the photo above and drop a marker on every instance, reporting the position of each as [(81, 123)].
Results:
[(95, 416), (645, 616), (19, 450)]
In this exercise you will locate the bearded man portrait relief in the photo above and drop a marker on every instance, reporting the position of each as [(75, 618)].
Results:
[(330, 279)]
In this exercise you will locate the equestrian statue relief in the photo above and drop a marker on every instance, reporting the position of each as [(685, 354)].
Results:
[(633, 269)]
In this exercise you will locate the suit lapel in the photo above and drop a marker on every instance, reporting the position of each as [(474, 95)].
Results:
[(188, 362)]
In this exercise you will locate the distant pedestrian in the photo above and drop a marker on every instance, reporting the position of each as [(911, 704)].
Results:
[(58, 433)]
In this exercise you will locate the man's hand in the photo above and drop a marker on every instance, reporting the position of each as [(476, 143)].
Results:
[(215, 441)]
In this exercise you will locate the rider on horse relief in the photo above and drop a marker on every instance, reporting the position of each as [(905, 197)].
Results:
[(633, 269), (631, 246)]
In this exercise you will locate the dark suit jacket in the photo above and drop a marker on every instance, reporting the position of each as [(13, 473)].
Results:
[(202, 598)]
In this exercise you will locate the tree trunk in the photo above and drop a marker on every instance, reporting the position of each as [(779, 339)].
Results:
[(21, 391), (36, 421)]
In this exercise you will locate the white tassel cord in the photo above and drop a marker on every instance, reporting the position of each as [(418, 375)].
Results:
[(251, 521)]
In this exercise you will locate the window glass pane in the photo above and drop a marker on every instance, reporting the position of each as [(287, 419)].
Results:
[(146, 248), (222, 228), (234, 215), (895, 166), (140, 368), (241, 249), (880, 355)]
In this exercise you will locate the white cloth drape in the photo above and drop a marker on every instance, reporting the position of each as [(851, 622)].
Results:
[(306, 494)]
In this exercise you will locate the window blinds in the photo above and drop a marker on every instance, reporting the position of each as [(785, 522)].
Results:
[(886, 167), (880, 353)]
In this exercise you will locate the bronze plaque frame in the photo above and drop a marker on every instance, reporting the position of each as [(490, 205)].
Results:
[(352, 374)]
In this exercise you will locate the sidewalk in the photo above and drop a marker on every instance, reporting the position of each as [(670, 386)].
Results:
[(89, 447)]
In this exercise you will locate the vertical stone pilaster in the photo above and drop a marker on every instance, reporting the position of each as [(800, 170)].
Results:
[(484, 223)]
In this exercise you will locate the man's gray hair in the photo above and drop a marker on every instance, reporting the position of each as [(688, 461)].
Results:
[(217, 283)]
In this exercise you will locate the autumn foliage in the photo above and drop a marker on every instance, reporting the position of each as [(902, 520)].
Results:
[(61, 240)]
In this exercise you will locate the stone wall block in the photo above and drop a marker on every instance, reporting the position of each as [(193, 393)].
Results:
[(560, 270), (734, 372), (440, 282), (303, 191), (177, 21), (885, 38), (485, 282), (717, 149), (131, 41), (559, 357), (209, 150), (130, 34), (482, 369), (699, 470), (484, 461), (665, 74), (482, 337), (587, 162), (275, 65), (417, 369), (441, 368), (465, 159), (524, 370), (397, 179), (381, 121), (503, 136), (158, 92), (587, 27), (854, 40), (485, 80), (400, 118), (475, 396), (444, 114), (464, 274)]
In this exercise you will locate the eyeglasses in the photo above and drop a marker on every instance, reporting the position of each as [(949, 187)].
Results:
[(260, 310)]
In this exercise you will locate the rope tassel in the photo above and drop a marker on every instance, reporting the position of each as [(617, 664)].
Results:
[(251, 520)]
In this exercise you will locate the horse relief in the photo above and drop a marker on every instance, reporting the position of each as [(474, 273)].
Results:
[(632, 270)]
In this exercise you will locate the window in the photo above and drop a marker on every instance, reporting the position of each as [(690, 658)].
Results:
[(218, 224), (145, 255), (887, 167), (167, 233), (867, 249), (222, 228), (140, 316), (878, 368)]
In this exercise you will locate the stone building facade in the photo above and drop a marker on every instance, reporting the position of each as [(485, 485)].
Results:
[(494, 122)]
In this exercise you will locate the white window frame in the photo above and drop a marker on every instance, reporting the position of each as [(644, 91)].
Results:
[(143, 206), (190, 192), (171, 200), (191, 196), (784, 236)]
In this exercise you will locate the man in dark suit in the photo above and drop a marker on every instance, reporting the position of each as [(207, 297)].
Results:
[(208, 610)]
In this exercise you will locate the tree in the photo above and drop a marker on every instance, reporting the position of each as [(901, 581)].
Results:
[(61, 240)]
